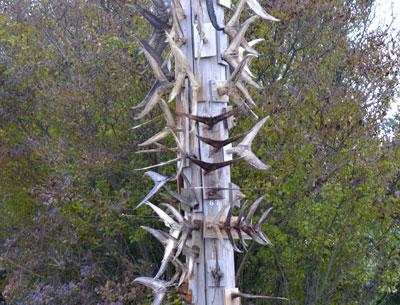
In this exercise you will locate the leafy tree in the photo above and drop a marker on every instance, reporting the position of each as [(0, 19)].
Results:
[(71, 70), (329, 83)]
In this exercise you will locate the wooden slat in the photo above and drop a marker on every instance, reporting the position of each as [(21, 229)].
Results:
[(205, 291), (196, 287)]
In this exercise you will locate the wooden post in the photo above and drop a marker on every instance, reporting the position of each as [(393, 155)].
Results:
[(214, 270), (208, 277)]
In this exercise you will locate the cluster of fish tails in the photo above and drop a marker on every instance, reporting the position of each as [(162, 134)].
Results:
[(167, 38)]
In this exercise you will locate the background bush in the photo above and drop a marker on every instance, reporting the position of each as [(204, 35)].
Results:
[(69, 72)]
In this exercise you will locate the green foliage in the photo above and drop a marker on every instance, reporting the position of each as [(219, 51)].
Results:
[(69, 73), (332, 183)]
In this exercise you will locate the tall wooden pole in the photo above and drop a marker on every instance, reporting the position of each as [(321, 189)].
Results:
[(199, 86), (214, 269)]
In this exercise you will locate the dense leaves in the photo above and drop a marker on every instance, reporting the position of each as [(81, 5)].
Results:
[(71, 70)]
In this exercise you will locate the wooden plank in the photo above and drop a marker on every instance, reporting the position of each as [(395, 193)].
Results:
[(213, 71), (209, 49), (196, 285), (205, 290)]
